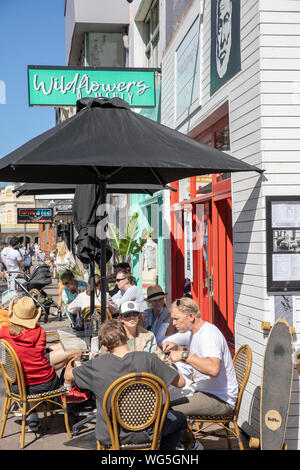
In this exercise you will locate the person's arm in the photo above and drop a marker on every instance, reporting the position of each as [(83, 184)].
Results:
[(129, 294), (111, 305), (206, 365), (20, 260), (179, 381)]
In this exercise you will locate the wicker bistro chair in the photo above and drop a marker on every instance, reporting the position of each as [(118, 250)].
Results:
[(87, 311), (12, 372), (136, 404), (242, 362)]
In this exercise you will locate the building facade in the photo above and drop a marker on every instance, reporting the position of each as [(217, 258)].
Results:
[(246, 104), (9, 204), (229, 77)]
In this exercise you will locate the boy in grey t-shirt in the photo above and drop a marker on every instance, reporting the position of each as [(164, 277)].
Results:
[(98, 374)]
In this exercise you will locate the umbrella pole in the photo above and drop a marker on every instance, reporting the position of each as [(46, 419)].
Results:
[(103, 252)]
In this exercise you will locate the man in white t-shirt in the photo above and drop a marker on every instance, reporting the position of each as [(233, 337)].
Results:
[(213, 389), (13, 262)]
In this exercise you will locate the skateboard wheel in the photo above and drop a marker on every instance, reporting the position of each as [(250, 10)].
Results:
[(254, 443)]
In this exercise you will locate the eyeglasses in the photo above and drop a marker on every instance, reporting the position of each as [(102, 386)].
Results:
[(122, 279), (130, 314)]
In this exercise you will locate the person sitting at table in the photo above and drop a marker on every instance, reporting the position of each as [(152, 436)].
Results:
[(214, 387), (157, 318), (72, 287), (29, 341), (139, 339), (128, 290), (112, 277), (98, 374), (83, 300)]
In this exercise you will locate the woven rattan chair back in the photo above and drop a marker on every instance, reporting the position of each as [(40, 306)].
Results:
[(11, 368), (136, 403), (12, 372), (242, 362)]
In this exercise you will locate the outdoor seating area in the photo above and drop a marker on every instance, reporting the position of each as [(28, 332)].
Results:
[(150, 228), (140, 401)]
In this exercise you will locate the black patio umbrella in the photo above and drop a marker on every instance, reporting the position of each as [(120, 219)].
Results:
[(37, 189), (107, 143)]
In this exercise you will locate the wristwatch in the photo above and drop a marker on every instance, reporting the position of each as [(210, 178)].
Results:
[(184, 355)]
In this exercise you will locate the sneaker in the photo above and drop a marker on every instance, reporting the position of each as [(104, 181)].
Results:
[(75, 395), (197, 446), (33, 425), (15, 408)]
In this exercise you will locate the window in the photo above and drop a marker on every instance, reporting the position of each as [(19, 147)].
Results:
[(152, 35)]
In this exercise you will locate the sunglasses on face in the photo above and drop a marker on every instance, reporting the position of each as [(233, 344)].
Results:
[(66, 283), (122, 279), (130, 314)]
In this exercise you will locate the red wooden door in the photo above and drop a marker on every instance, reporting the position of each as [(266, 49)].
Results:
[(223, 297)]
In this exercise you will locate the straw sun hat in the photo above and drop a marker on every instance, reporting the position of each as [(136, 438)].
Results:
[(155, 292), (24, 312)]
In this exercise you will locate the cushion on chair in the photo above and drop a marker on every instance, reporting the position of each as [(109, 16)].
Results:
[(59, 391)]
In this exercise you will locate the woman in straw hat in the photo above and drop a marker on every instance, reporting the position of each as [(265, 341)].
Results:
[(157, 318), (29, 342)]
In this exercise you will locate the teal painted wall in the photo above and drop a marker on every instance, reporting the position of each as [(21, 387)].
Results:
[(137, 203)]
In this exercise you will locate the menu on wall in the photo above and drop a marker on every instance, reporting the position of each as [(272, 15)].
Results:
[(283, 243), (285, 214), (286, 267)]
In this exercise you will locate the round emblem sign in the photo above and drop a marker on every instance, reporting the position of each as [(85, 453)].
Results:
[(273, 420)]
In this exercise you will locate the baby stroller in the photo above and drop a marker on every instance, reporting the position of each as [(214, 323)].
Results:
[(33, 287)]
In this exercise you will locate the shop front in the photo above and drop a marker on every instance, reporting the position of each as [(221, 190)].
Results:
[(201, 226)]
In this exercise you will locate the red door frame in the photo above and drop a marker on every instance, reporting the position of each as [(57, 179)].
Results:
[(220, 235)]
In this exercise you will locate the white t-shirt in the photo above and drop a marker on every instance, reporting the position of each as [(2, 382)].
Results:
[(10, 257), (210, 342), (83, 300)]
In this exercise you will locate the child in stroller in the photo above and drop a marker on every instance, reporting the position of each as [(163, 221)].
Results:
[(33, 286)]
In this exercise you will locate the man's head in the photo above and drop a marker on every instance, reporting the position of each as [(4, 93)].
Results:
[(67, 278), (14, 242), (112, 334), (185, 312), (223, 39)]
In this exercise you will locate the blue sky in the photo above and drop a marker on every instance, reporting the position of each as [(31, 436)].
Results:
[(32, 32)]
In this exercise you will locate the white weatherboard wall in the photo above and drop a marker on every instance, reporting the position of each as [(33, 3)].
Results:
[(264, 119)]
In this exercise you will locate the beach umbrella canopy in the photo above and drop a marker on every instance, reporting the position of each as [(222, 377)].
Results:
[(107, 143), (38, 189)]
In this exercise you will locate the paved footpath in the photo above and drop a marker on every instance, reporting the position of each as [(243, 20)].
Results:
[(55, 438)]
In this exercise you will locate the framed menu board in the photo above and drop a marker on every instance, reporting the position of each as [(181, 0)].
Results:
[(283, 243)]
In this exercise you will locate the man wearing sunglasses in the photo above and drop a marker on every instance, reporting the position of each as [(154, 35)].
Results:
[(214, 389)]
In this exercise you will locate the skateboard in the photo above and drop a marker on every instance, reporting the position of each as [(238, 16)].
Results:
[(275, 394)]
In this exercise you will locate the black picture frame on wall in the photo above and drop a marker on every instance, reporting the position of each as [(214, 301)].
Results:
[(283, 244)]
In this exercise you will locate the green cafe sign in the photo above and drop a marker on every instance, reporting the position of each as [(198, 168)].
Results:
[(63, 86)]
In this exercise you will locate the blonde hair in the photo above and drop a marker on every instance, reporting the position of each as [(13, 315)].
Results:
[(62, 249), (15, 330), (186, 306)]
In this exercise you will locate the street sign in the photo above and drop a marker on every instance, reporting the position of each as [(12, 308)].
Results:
[(65, 208), (63, 86), (35, 216)]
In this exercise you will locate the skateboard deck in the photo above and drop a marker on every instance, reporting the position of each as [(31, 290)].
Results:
[(277, 377)]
